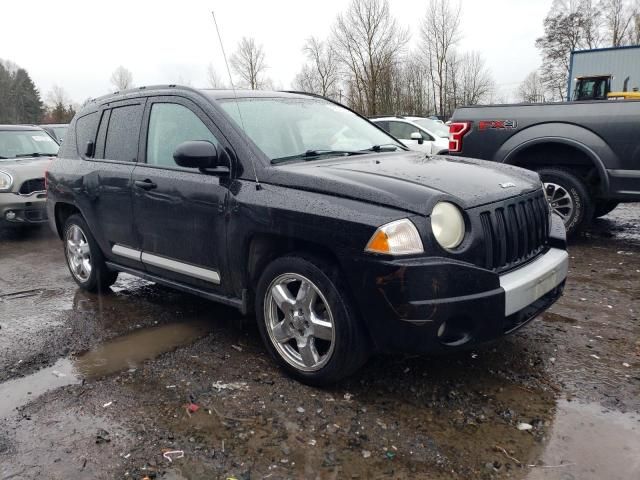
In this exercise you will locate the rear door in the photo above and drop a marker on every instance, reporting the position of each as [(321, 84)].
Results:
[(109, 184), (179, 212)]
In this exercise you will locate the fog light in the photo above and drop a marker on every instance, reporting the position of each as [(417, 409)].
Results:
[(10, 215)]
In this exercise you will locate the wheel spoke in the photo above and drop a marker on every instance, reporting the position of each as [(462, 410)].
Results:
[(322, 329), (308, 351), (281, 332), (306, 295), (84, 249), (283, 298)]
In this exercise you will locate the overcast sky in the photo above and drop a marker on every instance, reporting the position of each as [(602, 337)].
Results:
[(77, 43)]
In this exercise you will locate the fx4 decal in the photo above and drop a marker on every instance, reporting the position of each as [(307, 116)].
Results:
[(497, 124)]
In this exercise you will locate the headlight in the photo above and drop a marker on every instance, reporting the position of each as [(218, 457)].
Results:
[(447, 225), (6, 182), (396, 238)]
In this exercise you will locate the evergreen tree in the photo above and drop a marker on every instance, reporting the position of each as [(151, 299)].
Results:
[(27, 103)]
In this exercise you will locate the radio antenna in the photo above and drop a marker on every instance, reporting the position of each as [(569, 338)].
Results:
[(235, 96)]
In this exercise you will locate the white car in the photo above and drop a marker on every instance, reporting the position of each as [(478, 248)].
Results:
[(417, 133)]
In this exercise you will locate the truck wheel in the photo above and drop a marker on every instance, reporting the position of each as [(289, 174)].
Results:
[(307, 322), (603, 207), (84, 258), (568, 197)]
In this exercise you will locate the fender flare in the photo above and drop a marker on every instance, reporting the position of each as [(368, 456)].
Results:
[(579, 138)]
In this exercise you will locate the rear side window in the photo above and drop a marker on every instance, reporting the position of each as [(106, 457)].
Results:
[(123, 133), (170, 125), (402, 130), (86, 128)]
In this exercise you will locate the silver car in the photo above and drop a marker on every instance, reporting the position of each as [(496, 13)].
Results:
[(25, 154)]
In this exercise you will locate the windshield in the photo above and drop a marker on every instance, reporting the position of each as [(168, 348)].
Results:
[(437, 128), (290, 127), (26, 143)]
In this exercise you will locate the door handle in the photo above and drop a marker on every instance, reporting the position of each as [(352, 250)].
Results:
[(145, 184)]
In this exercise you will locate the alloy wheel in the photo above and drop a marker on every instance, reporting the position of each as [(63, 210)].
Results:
[(559, 200), (78, 253), (299, 322)]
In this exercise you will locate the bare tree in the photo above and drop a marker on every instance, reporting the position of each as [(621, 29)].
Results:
[(440, 31), (306, 80), (532, 89), (476, 81), (213, 78), (618, 20), (324, 66), (367, 41), (248, 62), (57, 96), (121, 78), (564, 28)]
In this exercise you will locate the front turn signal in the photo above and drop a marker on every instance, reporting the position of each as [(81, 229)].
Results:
[(396, 238)]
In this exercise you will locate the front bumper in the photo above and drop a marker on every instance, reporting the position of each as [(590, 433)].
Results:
[(18, 210), (439, 304)]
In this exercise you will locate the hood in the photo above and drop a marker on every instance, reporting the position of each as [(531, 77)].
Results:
[(410, 181), (23, 169)]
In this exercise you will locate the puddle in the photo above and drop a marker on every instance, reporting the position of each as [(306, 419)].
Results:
[(588, 442), (16, 393), (121, 353)]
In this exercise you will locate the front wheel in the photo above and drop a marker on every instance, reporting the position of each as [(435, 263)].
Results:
[(568, 197), (307, 322), (84, 258)]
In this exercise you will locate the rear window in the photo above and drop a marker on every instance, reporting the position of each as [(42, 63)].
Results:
[(86, 128), (123, 133)]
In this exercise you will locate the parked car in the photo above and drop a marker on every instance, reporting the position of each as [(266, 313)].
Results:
[(587, 153), (296, 208), (56, 130), (25, 153), (417, 133)]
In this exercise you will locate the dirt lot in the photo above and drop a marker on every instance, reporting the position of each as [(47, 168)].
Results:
[(99, 386)]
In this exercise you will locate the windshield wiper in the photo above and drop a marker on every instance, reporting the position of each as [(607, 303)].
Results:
[(36, 154), (311, 154), (385, 147)]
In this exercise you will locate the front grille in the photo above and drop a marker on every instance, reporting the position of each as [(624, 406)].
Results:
[(515, 231), (32, 185)]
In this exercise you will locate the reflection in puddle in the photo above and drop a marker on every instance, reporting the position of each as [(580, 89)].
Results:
[(590, 443), (120, 353)]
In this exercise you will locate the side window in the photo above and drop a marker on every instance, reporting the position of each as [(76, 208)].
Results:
[(86, 128), (171, 124), (383, 125), (402, 130), (123, 133)]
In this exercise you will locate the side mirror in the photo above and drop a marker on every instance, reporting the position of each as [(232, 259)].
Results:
[(417, 136), (196, 154), (89, 149)]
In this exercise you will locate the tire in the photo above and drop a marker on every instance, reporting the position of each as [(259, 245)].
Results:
[(603, 207), (339, 350), (569, 197), (84, 257)]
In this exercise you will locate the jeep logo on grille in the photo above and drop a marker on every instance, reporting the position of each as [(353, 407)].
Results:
[(507, 185)]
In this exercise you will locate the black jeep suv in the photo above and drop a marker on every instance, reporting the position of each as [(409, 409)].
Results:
[(298, 209)]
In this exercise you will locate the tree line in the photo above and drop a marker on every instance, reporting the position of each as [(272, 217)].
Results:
[(367, 63), (577, 25), (20, 100)]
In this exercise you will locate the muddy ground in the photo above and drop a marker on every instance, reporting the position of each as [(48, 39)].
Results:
[(98, 387)]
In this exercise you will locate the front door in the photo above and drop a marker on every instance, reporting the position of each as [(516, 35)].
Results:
[(179, 212)]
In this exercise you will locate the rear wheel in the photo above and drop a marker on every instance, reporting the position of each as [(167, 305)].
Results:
[(568, 197), (603, 207), (307, 322), (84, 258)]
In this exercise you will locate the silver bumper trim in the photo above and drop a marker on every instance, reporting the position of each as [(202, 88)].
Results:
[(527, 284)]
